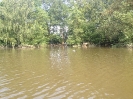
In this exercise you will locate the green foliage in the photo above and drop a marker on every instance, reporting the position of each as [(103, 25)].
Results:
[(54, 39), (35, 22), (19, 25)]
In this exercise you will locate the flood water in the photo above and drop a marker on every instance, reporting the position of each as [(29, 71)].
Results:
[(57, 73)]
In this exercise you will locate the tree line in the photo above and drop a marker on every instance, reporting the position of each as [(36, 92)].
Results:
[(72, 22)]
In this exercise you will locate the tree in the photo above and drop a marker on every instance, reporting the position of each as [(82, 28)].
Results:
[(58, 14), (101, 22), (76, 21), (19, 22)]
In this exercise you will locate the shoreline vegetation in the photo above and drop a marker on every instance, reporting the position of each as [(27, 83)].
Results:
[(76, 23), (84, 45)]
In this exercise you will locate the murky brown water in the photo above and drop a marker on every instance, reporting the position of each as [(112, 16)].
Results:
[(96, 73)]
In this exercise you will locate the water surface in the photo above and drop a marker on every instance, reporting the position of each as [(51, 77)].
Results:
[(66, 73)]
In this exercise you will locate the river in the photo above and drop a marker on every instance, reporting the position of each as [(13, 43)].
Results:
[(66, 73)]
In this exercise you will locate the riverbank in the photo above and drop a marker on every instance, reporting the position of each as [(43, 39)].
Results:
[(84, 45)]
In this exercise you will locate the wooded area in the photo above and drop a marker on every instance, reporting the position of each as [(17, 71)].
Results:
[(72, 22)]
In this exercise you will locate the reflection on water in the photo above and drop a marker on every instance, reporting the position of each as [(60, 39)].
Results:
[(59, 58), (57, 73)]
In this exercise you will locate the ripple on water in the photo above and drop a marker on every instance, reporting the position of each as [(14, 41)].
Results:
[(67, 77), (39, 87), (3, 90), (13, 95)]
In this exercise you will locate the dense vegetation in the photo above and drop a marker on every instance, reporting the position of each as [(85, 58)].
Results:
[(37, 22)]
